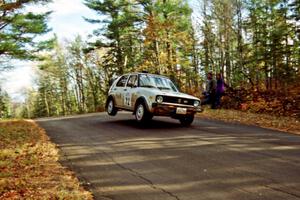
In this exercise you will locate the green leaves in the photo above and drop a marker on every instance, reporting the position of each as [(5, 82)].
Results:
[(18, 30)]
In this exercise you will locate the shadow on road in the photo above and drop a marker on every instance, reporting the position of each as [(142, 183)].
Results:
[(152, 124)]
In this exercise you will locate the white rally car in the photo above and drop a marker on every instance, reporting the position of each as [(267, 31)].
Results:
[(148, 95)]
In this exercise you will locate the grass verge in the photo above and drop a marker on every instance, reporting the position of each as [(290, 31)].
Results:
[(287, 124), (29, 167)]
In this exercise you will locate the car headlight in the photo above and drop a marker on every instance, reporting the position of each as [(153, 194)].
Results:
[(159, 99), (196, 103)]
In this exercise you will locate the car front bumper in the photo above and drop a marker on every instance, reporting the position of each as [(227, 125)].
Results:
[(166, 109)]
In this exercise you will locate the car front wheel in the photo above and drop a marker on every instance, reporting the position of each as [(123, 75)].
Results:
[(111, 109), (141, 113), (186, 120)]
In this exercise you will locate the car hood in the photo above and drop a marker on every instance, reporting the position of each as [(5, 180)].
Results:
[(177, 94)]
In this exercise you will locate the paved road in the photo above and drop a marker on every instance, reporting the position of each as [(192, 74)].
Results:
[(117, 159)]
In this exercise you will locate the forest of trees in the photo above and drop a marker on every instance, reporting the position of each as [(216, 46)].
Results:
[(255, 44)]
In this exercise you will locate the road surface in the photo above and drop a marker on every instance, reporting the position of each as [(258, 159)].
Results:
[(120, 160)]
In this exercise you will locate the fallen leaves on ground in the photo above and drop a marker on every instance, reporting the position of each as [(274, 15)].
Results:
[(287, 124), (279, 102), (29, 167)]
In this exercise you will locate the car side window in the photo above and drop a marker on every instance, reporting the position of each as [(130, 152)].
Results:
[(132, 82), (122, 81)]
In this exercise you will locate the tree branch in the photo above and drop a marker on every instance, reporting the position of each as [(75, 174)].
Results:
[(14, 5)]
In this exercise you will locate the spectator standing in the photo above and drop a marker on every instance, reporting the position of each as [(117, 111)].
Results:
[(220, 89), (210, 93)]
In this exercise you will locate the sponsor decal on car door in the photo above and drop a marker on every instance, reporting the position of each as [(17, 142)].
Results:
[(130, 93), (127, 98)]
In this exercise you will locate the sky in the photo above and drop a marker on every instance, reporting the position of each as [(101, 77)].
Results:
[(66, 22)]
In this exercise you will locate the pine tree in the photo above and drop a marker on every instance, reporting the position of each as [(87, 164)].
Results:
[(118, 33), (19, 28)]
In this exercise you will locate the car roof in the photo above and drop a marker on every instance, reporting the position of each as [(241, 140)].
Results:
[(144, 73)]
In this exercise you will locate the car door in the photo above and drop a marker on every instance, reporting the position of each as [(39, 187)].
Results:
[(119, 91), (131, 92)]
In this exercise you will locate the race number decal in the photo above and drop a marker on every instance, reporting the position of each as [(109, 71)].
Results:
[(127, 99)]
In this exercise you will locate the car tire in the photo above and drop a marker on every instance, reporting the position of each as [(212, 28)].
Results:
[(110, 108), (141, 113), (186, 120)]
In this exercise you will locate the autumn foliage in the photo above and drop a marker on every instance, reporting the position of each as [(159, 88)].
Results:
[(275, 102), (29, 167)]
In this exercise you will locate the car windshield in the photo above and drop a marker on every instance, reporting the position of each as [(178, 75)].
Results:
[(157, 82)]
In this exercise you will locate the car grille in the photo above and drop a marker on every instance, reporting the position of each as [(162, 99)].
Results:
[(178, 100)]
